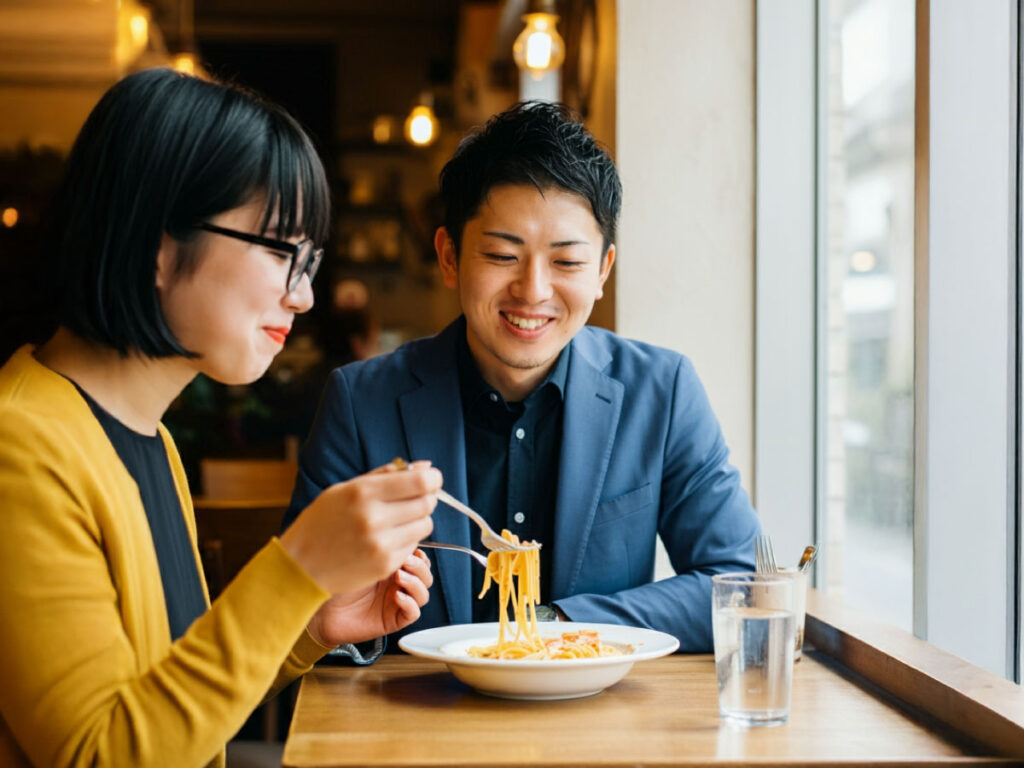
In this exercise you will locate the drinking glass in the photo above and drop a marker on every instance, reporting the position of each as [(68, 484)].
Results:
[(754, 629), (799, 606)]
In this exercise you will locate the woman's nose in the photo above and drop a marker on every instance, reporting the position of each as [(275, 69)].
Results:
[(300, 298)]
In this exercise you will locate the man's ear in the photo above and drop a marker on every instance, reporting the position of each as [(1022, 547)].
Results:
[(446, 257), (166, 261), (606, 268)]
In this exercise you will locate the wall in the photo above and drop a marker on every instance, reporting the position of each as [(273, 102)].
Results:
[(57, 57), (601, 122), (685, 151)]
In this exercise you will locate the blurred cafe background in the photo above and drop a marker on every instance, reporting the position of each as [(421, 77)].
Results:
[(821, 209)]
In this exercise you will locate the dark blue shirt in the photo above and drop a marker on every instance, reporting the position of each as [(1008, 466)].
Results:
[(512, 455), (145, 458)]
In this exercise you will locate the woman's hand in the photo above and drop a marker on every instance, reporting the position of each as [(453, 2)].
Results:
[(377, 610), (358, 533)]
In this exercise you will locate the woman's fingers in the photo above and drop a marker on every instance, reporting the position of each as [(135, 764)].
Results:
[(391, 485), (412, 586), (418, 564)]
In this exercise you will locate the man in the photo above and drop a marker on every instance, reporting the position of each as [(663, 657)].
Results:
[(566, 434)]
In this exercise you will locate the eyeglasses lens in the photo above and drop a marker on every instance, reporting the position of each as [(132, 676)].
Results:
[(306, 262)]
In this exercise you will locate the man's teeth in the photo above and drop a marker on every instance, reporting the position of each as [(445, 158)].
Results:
[(526, 323)]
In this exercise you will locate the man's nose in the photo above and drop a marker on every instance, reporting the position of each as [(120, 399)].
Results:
[(533, 283)]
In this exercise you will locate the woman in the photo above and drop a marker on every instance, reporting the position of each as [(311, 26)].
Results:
[(185, 235)]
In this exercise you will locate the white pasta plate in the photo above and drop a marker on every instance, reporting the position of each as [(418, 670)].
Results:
[(540, 679)]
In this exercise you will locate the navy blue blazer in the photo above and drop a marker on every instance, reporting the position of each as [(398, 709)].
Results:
[(642, 455)]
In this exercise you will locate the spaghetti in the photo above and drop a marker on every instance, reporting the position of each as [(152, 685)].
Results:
[(517, 574)]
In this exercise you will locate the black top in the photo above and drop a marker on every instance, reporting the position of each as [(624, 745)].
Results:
[(145, 458), (512, 456)]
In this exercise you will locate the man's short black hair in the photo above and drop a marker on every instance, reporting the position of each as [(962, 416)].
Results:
[(161, 152), (537, 143)]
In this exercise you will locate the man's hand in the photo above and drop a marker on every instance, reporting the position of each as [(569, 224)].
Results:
[(377, 610)]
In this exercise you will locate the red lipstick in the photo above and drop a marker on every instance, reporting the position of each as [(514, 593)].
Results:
[(277, 334)]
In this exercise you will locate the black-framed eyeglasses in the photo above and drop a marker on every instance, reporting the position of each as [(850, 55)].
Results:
[(305, 258)]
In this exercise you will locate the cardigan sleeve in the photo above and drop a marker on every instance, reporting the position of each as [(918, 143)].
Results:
[(80, 684)]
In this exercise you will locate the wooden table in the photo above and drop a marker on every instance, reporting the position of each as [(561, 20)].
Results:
[(404, 711)]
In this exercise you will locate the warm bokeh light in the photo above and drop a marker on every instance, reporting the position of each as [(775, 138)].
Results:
[(185, 63), (863, 261), (9, 217), (132, 32), (539, 48), (383, 129), (421, 126), (139, 26)]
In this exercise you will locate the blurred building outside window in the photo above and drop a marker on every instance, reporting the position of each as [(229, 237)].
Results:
[(868, 184)]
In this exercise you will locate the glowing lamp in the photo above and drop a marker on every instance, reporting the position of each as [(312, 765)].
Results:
[(539, 48), (421, 126), (9, 217)]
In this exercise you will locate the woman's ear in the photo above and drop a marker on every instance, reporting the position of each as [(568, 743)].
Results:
[(166, 261)]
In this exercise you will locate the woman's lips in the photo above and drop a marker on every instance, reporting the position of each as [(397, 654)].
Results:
[(277, 334)]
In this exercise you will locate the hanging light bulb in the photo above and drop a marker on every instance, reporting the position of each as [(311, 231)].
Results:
[(539, 48), (421, 126)]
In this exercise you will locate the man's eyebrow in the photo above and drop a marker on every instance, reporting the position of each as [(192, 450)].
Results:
[(519, 241), (506, 236)]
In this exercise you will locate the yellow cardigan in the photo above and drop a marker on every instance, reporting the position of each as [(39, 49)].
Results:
[(88, 673)]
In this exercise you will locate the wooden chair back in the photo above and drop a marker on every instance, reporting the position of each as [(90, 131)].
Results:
[(257, 479), (241, 508)]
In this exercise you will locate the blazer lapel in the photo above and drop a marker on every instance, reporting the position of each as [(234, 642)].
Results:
[(592, 405), (433, 424)]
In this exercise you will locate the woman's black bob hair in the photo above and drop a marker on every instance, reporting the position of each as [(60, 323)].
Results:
[(161, 152)]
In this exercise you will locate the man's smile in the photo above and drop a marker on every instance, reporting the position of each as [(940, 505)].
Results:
[(526, 323)]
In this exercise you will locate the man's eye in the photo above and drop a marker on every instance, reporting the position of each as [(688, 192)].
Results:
[(502, 257), (570, 264)]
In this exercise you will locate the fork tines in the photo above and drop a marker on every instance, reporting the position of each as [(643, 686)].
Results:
[(764, 555)]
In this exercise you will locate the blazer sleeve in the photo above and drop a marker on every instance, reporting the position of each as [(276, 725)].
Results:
[(80, 686), (332, 452), (705, 520)]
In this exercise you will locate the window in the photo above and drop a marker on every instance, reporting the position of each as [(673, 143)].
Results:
[(888, 284), (868, 222)]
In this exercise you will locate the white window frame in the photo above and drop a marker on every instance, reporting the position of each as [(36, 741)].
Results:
[(967, 344)]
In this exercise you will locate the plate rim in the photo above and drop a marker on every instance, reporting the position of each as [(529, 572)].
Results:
[(669, 644)]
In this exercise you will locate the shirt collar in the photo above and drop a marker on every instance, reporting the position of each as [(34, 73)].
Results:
[(473, 386)]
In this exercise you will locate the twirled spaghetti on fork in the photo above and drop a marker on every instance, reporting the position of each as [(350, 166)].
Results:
[(517, 574)]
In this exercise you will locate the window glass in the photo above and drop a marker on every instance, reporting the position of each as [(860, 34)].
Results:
[(868, 187)]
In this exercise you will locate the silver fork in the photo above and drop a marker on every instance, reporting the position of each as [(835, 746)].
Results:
[(472, 553), (488, 537), (764, 555)]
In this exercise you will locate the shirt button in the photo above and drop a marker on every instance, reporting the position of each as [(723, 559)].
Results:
[(494, 397), (519, 517), (520, 433)]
